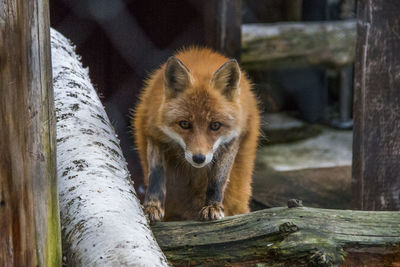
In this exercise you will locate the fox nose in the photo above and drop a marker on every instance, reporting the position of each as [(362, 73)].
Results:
[(199, 158)]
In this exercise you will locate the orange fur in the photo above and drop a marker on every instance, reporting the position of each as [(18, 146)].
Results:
[(185, 185)]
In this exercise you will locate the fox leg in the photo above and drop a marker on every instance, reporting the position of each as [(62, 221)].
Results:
[(213, 208), (155, 194)]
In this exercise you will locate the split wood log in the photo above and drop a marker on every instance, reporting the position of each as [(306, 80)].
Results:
[(285, 237), (288, 45), (102, 221), (29, 216)]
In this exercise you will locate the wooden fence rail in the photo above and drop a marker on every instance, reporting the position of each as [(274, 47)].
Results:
[(283, 45)]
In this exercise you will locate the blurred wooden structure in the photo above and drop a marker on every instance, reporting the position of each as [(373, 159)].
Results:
[(316, 48), (376, 152), (298, 44), (222, 26), (29, 217), (327, 188)]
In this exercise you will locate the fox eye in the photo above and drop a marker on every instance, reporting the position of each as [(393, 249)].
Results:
[(184, 125), (215, 125)]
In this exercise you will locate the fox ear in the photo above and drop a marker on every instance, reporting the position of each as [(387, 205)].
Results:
[(176, 77), (227, 79)]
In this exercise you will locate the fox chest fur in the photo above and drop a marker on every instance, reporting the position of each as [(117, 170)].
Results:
[(196, 129), (185, 190)]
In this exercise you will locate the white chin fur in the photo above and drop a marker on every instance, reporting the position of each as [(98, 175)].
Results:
[(189, 158)]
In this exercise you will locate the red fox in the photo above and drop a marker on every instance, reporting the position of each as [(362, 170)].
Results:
[(196, 128)]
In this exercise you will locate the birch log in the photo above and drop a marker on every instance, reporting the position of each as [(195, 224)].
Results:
[(102, 220)]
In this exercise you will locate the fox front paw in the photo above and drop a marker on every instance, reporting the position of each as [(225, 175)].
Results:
[(154, 211), (212, 212)]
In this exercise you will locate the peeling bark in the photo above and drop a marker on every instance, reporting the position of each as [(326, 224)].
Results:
[(102, 221)]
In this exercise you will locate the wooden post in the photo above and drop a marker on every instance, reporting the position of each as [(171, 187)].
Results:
[(376, 148), (222, 26), (29, 217)]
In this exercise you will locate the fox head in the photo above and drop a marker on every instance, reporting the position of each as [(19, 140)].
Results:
[(202, 113)]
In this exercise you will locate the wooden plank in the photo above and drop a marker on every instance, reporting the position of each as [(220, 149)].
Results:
[(376, 156), (285, 237), (222, 26), (289, 45), (29, 224)]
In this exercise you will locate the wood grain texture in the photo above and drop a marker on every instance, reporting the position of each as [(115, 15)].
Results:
[(29, 224), (376, 156), (283, 45), (284, 237)]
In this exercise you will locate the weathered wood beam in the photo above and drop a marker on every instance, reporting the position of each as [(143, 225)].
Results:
[(376, 156), (288, 45), (29, 216), (284, 237)]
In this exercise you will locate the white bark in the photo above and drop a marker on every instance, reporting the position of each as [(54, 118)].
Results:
[(102, 221)]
